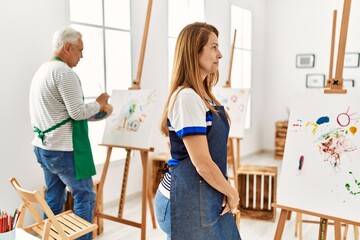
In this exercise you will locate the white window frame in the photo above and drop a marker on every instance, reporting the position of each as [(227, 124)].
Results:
[(181, 14), (96, 129), (243, 45)]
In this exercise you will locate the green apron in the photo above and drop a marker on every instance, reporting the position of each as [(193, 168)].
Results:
[(84, 162)]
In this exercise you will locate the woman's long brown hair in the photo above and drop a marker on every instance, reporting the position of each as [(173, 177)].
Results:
[(186, 69)]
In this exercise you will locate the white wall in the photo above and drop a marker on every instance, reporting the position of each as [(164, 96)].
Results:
[(300, 26), (26, 28)]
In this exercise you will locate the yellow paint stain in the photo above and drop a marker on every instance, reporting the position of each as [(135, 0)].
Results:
[(353, 130)]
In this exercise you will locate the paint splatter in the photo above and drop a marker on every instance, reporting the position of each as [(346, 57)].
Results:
[(353, 130), (322, 120), (344, 119), (332, 140), (333, 144), (357, 183), (297, 126), (301, 164)]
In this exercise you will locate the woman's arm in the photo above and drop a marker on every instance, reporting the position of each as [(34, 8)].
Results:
[(198, 150)]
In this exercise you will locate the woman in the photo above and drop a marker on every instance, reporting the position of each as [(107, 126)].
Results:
[(200, 199)]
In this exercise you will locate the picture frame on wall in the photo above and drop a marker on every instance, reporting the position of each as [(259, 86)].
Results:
[(351, 60), (305, 60), (348, 83), (315, 80)]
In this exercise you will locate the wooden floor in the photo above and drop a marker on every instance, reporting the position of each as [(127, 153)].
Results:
[(249, 229)]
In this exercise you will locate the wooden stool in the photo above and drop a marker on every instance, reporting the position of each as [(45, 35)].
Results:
[(257, 191), (69, 205)]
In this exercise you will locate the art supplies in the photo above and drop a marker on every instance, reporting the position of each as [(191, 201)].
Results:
[(104, 113), (7, 221)]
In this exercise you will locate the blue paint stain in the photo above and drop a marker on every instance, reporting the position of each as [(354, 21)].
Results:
[(322, 120), (301, 162)]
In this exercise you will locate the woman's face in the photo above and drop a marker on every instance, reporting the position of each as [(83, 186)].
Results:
[(210, 56)]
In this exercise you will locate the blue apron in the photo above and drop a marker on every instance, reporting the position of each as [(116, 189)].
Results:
[(195, 205)]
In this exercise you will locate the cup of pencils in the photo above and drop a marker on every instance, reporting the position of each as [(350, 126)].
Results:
[(7, 221)]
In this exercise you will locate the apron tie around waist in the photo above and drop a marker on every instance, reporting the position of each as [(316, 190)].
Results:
[(41, 134), (83, 159)]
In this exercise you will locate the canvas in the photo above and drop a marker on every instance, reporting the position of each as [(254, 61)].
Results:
[(321, 166), (131, 121), (235, 101)]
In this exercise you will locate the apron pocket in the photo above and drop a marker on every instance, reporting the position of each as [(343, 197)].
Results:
[(210, 204), (161, 206)]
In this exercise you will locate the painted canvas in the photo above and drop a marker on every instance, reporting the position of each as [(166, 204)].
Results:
[(131, 121), (321, 166), (235, 101)]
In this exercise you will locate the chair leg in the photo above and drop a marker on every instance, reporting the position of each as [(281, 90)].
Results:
[(46, 232)]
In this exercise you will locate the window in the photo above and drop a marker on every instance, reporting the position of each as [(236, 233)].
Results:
[(241, 20), (106, 65), (181, 13)]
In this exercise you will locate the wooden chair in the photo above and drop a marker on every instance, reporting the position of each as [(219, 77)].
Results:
[(63, 226)]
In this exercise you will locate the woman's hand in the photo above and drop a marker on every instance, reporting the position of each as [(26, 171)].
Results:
[(233, 200), (226, 207)]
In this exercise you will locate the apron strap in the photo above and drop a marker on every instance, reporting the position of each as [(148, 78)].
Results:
[(41, 134)]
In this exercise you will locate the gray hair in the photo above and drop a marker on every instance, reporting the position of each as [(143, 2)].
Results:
[(65, 35)]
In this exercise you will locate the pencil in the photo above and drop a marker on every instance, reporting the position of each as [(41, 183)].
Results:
[(1, 222)]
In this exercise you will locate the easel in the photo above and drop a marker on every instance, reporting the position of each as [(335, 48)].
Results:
[(324, 222), (335, 87), (235, 162), (144, 152)]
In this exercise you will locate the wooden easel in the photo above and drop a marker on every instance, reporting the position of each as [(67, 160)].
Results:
[(144, 152), (335, 87), (323, 222), (231, 156), (337, 83), (332, 46)]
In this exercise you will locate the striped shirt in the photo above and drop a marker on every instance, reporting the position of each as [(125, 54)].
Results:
[(55, 95), (187, 116)]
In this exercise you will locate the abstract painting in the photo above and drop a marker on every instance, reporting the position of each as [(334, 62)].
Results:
[(235, 102), (131, 121), (321, 166)]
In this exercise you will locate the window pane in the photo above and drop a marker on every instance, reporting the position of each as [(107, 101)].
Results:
[(246, 29), (88, 11), (183, 12), (117, 14), (241, 21), (118, 60), (196, 11), (91, 67), (241, 70), (177, 16), (96, 131), (246, 68)]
